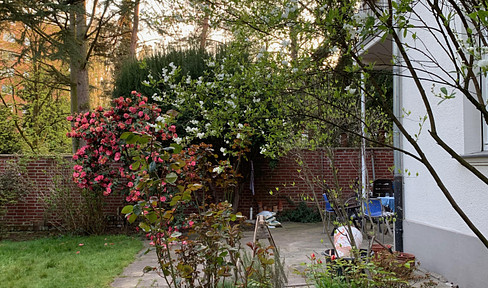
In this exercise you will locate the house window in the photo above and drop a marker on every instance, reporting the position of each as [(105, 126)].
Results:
[(484, 91)]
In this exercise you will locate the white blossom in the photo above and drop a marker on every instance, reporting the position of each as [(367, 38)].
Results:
[(218, 169), (483, 63), (191, 129), (223, 150), (350, 90)]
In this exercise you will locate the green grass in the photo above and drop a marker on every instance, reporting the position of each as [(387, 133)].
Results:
[(56, 262)]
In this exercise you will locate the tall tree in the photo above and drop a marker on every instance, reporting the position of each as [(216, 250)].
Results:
[(77, 26)]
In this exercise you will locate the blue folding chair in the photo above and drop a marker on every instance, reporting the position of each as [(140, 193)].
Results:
[(328, 211), (373, 209)]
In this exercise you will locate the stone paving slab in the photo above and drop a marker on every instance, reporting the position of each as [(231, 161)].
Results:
[(296, 242)]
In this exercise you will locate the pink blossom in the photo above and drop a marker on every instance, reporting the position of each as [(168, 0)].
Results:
[(130, 184), (69, 118), (140, 114), (163, 198), (126, 115), (117, 156)]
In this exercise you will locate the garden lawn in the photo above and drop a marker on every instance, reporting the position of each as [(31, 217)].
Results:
[(66, 261)]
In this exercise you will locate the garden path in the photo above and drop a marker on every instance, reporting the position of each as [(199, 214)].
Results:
[(296, 242)]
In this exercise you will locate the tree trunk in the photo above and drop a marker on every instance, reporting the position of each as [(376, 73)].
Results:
[(204, 35), (80, 100), (135, 29)]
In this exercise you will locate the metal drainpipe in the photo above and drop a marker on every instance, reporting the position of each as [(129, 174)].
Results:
[(397, 156), (364, 171)]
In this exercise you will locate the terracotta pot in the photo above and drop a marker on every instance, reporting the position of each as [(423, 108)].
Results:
[(403, 257), (378, 249)]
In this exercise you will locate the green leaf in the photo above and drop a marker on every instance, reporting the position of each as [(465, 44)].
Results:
[(152, 217), (152, 167), (174, 200), (177, 148), (127, 209), (136, 165), (444, 90), (125, 135), (137, 210), (132, 218), (171, 178), (131, 139), (143, 139), (144, 227)]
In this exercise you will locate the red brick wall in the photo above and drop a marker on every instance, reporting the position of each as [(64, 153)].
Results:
[(31, 215), (347, 162)]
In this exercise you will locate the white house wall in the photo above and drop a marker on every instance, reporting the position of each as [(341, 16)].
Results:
[(433, 231)]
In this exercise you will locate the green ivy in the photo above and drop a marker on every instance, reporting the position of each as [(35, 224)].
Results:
[(302, 213)]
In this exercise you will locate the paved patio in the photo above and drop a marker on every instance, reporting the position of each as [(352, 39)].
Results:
[(296, 241)]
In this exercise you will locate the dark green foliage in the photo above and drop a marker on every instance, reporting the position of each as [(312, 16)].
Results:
[(302, 213), (9, 143), (13, 186), (133, 73), (78, 211)]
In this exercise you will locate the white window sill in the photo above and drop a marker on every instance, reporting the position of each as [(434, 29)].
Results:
[(477, 158)]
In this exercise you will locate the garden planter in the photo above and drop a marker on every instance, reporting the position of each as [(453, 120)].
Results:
[(403, 257), (330, 259), (376, 249), (401, 263)]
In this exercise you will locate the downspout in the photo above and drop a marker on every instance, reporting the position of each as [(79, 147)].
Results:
[(397, 156), (363, 141), (372, 164)]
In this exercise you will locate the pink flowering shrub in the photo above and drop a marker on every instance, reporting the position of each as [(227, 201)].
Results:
[(103, 162), (131, 147)]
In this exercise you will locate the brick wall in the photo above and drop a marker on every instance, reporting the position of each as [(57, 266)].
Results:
[(30, 214), (347, 161)]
